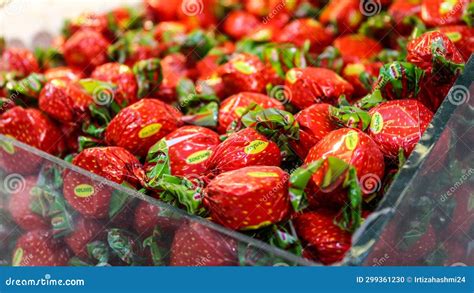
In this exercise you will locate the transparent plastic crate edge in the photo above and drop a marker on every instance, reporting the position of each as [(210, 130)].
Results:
[(263, 253), (368, 236)]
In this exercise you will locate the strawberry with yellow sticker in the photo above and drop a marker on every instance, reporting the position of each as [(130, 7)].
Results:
[(93, 199), (357, 150), (248, 198), (312, 85), (244, 148), (398, 125), (315, 123), (234, 106), (183, 152), (243, 72), (138, 126), (40, 248), (443, 12)]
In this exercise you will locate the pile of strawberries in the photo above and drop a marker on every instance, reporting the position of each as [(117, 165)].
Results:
[(284, 120)]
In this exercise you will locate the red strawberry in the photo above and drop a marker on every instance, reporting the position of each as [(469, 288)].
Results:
[(85, 231), (173, 68), (65, 101), (233, 107), (122, 76), (92, 198), (356, 149), (421, 50), (241, 149), (355, 48), (89, 21), (21, 206), (345, 15), (301, 30), (362, 76), (248, 198), (462, 37), (311, 85), (39, 248), (398, 124), (64, 73), (32, 127), (148, 216), (441, 12), (86, 49), (400, 9), (162, 10), (243, 73), (197, 245), (315, 123), (239, 24), (138, 126), (324, 240), (188, 147), (169, 31), (18, 60)]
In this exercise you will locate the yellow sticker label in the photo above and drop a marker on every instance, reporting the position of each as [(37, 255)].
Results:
[(454, 36), (351, 140), (262, 174), (17, 257), (7, 147), (258, 226), (83, 190), (376, 124), (255, 147), (239, 111), (447, 6), (244, 67), (198, 157), (354, 69), (292, 76), (149, 130)]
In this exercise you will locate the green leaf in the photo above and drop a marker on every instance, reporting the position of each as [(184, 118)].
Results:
[(350, 116), (352, 212), (468, 16), (119, 200), (299, 179), (148, 75), (98, 251), (369, 101), (277, 125), (158, 161), (29, 86), (182, 191), (123, 244), (49, 57), (399, 80)]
